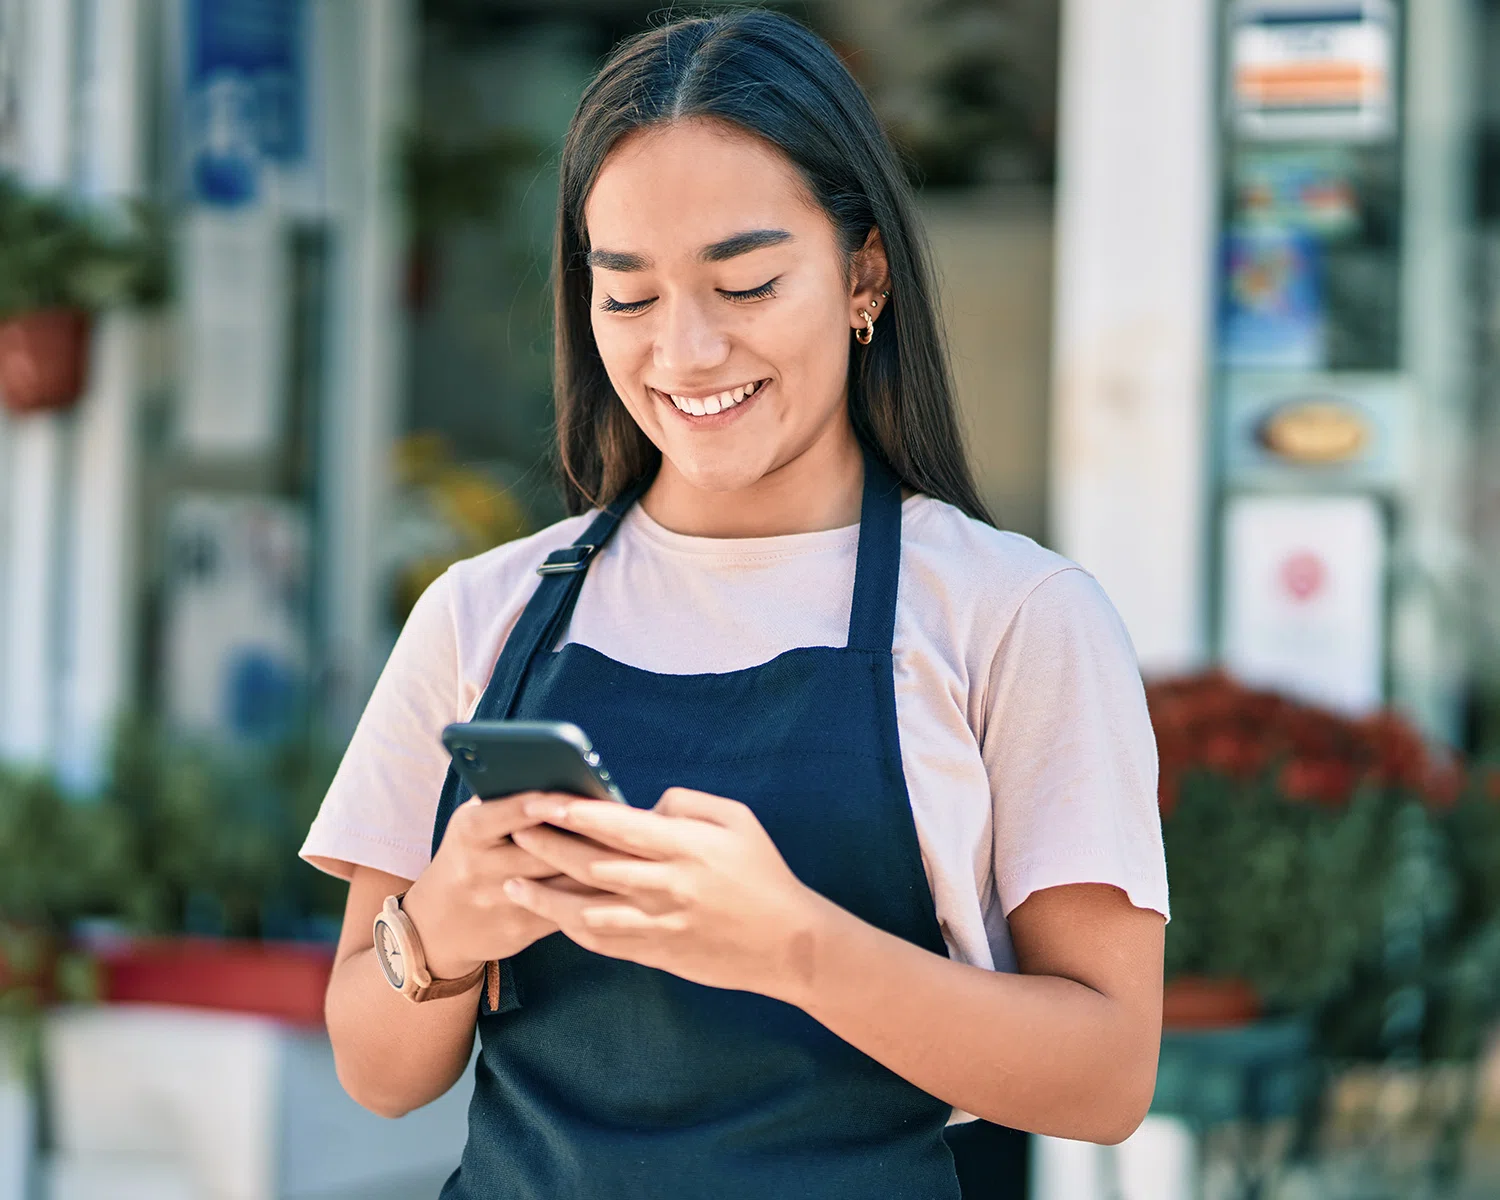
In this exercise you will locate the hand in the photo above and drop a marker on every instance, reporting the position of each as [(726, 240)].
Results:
[(695, 887), (458, 904)]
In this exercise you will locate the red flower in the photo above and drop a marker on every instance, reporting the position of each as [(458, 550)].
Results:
[(1210, 722)]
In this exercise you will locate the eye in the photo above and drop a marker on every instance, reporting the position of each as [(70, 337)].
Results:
[(610, 304), (765, 291)]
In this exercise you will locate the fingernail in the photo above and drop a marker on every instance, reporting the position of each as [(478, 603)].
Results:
[(514, 888), (546, 810)]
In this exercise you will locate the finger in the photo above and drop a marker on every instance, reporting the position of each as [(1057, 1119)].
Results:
[(569, 853), (630, 876), (509, 860), (491, 822), (701, 806), (619, 827), (561, 905), (624, 919)]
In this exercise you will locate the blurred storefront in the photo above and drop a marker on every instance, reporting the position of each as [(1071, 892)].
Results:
[(196, 536), (1222, 281), (1274, 411)]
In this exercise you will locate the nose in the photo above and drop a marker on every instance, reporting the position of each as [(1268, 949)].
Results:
[(690, 343)]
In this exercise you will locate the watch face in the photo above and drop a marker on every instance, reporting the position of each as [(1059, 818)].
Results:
[(388, 951)]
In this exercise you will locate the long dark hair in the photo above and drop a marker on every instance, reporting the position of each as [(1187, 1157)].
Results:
[(772, 77)]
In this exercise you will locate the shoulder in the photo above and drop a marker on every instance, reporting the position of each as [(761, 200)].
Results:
[(981, 577), (502, 578)]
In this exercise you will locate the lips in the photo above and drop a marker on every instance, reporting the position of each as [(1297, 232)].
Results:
[(715, 403)]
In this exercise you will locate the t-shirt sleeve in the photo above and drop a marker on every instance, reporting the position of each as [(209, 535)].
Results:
[(1070, 752), (380, 808)]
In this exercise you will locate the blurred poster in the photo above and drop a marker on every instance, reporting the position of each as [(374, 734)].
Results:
[(1341, 430), (234, 287), (1311, 190), (1303, 597), (245, 95), (236, 616), (1272, 314), (1313, 69)]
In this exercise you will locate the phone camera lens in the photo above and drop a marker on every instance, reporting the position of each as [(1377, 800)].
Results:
[(468, 755)]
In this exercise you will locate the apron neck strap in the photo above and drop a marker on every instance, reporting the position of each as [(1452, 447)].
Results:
[(872, 617), (551, 606)]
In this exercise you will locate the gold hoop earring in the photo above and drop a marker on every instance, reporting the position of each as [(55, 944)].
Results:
[(863, 336)]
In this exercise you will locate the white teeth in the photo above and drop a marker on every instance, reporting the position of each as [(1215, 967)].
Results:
[(702, 406)]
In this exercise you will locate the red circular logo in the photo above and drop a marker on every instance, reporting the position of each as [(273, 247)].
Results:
[(1303, 576)]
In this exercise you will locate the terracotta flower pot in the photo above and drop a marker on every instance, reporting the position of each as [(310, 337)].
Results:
[(1196, 1003), (44, 359), (285, 980)]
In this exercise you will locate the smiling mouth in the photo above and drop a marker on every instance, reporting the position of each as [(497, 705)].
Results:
[(706, 406)]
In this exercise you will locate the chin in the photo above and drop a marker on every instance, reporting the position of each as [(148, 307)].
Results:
[(721, 473)]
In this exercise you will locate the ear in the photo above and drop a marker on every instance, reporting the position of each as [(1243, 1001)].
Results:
[(870, 281)]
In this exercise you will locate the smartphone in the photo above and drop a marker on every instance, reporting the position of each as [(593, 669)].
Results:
[(500, 758)]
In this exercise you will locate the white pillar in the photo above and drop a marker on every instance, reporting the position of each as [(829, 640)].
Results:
[(1431, 622), (364, 386), (35, 444), (98, 640), (1135, 205)]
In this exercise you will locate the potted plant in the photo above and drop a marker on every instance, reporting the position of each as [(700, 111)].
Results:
[(221, 912), (1288, 829), (179, 883), (59, 264)]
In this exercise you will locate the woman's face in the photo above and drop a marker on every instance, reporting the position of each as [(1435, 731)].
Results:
[(721, 304)]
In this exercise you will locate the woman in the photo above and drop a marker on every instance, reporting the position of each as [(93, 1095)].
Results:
[(897, 861)]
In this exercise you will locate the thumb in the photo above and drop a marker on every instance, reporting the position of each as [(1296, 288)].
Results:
[(700, 806)]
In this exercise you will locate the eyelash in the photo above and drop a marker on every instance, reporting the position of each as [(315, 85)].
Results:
[(764, 292)]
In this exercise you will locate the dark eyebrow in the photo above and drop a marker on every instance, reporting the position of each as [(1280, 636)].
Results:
[(616, 260), (730, 247), (743, 243)]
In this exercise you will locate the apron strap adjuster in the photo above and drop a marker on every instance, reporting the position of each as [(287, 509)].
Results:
[(567, 560)]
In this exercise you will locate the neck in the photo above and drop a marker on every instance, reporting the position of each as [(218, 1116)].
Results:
[(821, 488)]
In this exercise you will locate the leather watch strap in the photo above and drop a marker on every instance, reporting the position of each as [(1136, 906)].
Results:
[(441, 989)]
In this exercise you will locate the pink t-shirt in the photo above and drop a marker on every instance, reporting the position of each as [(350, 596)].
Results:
[(1027, 748)]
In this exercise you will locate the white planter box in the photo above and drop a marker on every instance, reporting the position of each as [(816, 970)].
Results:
[(240, 1107), (1157, 1162), (17, 1123)]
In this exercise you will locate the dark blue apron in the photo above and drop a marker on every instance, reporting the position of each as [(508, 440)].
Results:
[(602, 1079)]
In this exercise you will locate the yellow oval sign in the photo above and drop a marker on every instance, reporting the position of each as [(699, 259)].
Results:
[(1315, 431)]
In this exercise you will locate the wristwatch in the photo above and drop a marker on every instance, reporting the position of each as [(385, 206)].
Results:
[(399, 951)]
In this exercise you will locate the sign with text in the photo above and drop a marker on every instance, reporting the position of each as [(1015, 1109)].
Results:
[(1303, 69), (1303, 588), (245, 95)]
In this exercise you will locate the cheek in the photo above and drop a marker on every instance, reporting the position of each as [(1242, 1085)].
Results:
[(808, 341), (622, 347)]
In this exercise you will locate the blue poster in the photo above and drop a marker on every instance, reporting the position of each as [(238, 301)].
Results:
[(245, 98), (1272, 310)]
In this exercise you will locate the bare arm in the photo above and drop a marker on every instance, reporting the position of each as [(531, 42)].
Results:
[(392, 1055), (1068, 1047)]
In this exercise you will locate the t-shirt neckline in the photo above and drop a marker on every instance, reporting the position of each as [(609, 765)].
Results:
[(641, 524)]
